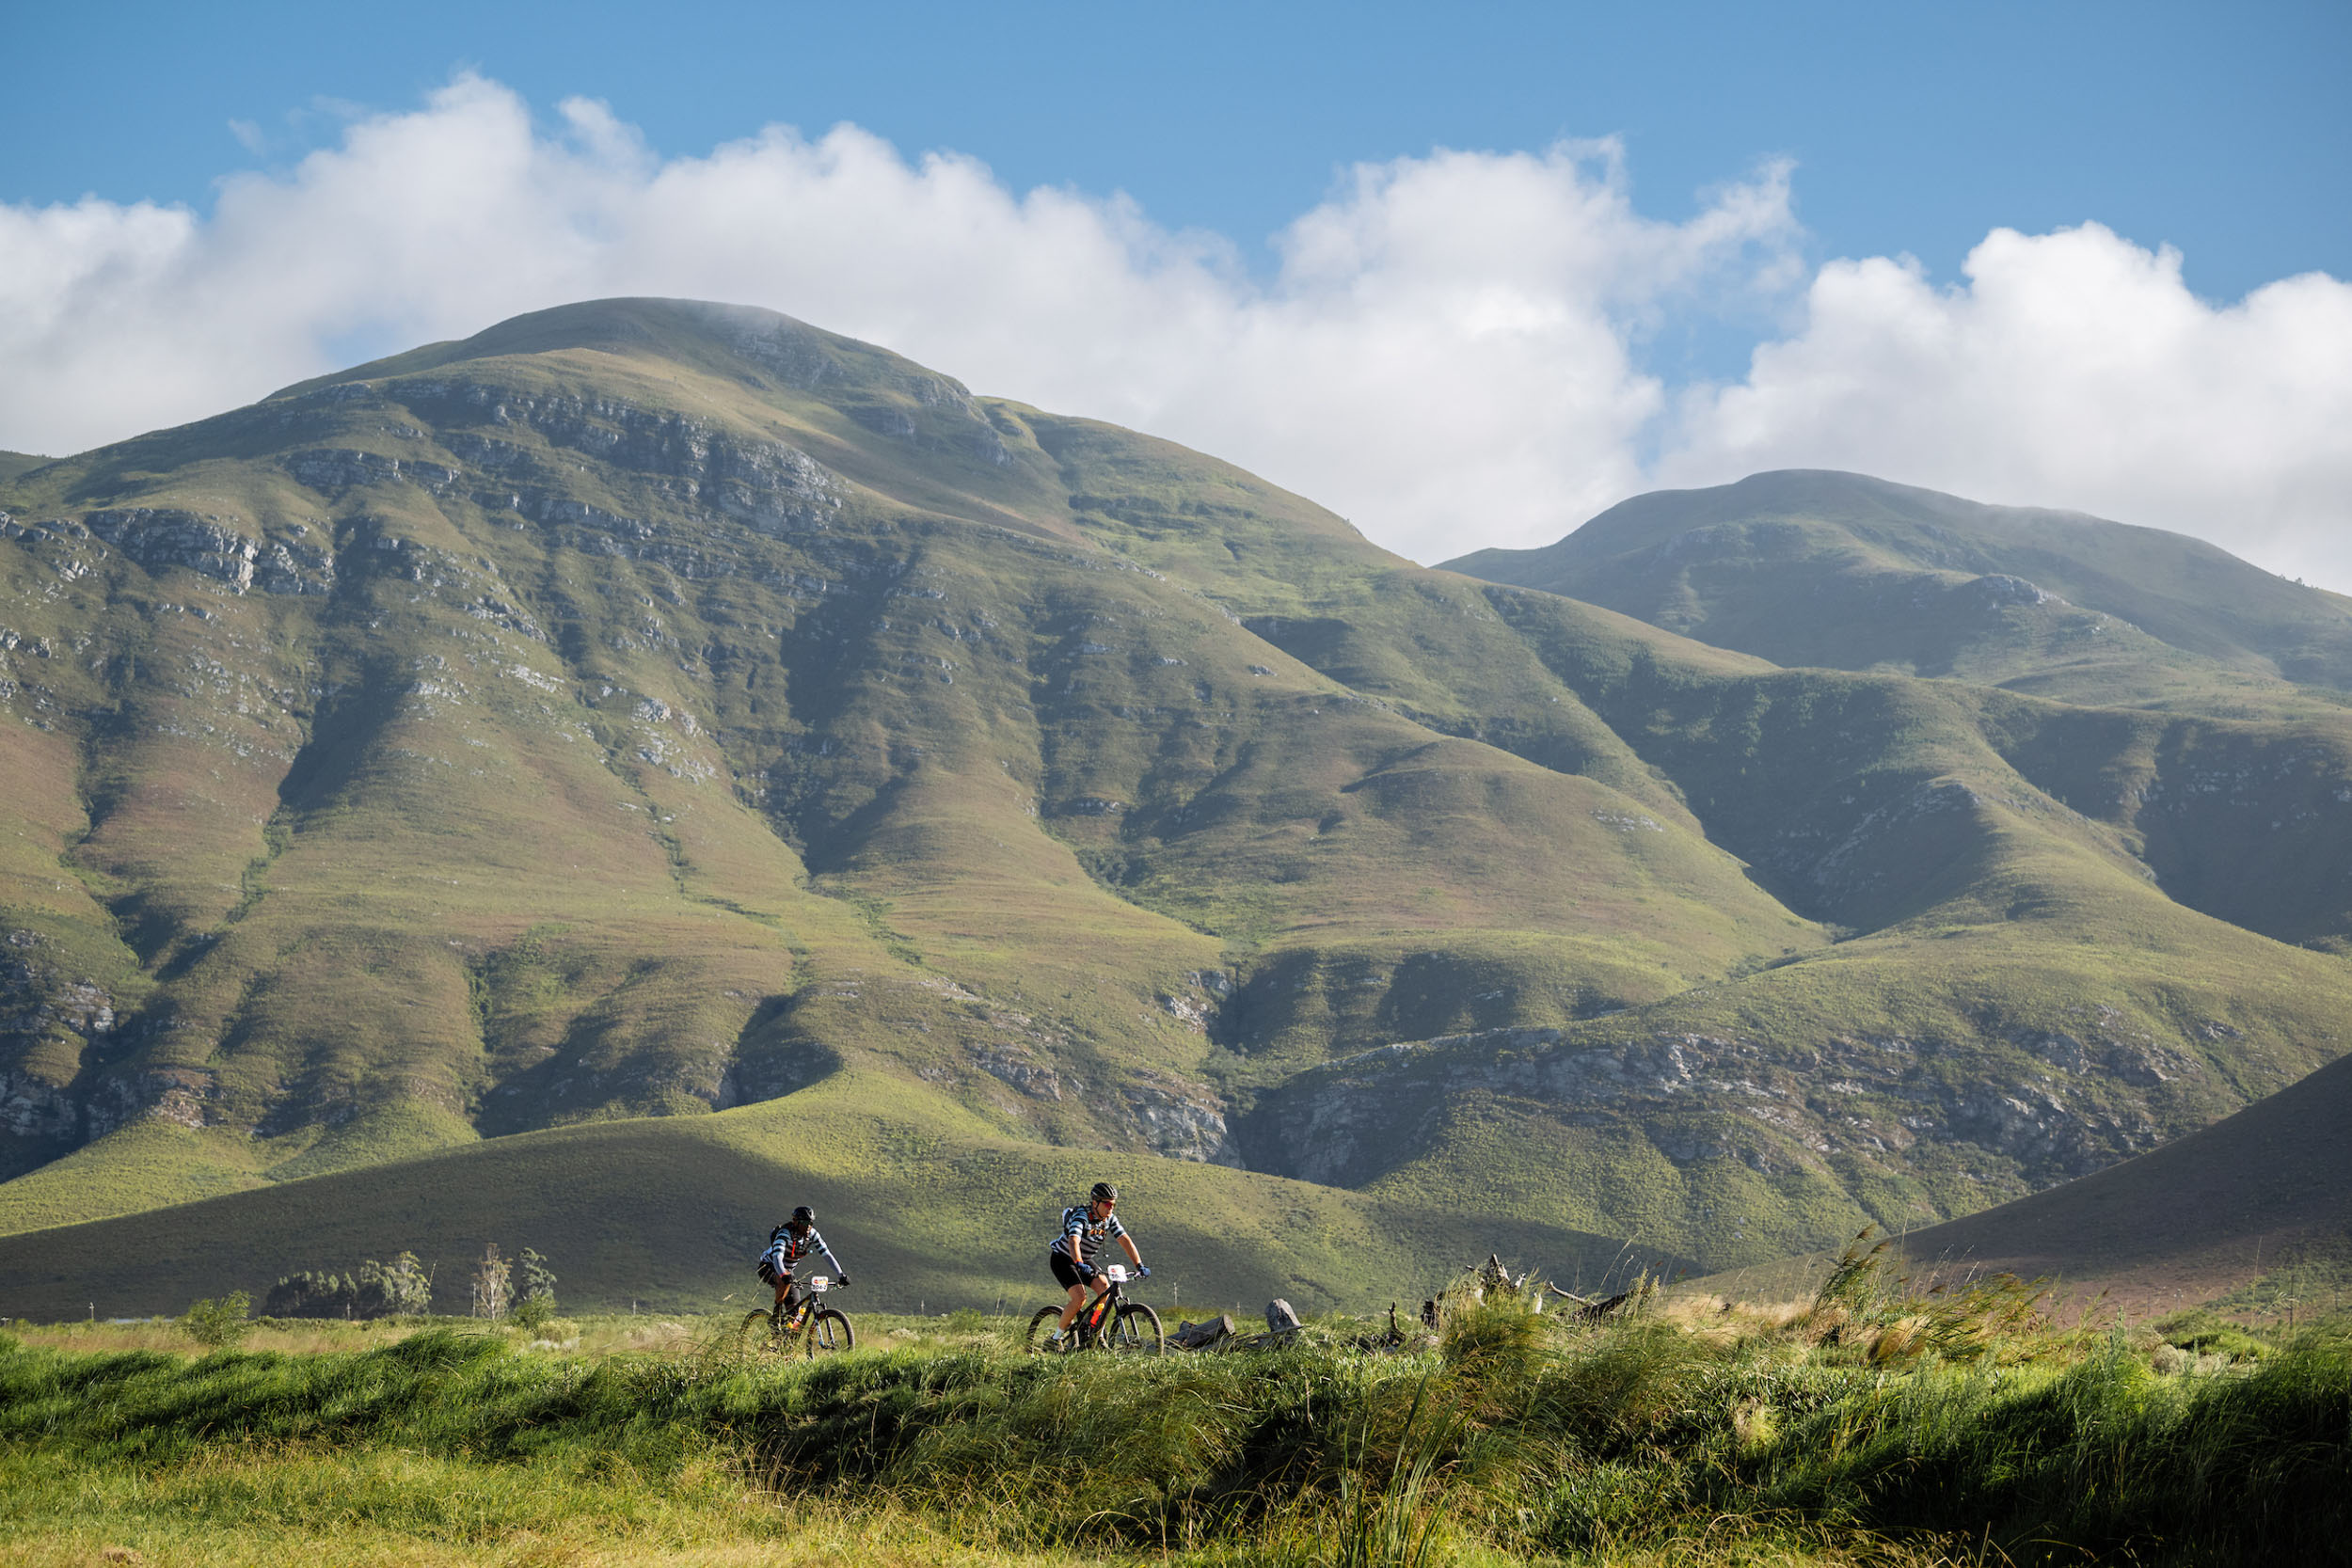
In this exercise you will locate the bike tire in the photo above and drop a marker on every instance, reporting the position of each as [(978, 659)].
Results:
[(757, 1331), (1041, 1322), (1136, 1331), (828, 1333)]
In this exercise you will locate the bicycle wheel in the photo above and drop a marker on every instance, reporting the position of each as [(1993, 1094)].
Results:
[(828, 1333), (756, 1331), (1137, 1328), (1041, 1324)]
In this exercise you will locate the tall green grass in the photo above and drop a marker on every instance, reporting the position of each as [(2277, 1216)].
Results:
[(1711, 1436)]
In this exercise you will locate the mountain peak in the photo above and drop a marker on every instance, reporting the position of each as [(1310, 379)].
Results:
[(1828, 495), (738, 341), (1815, 566), (642, 325)]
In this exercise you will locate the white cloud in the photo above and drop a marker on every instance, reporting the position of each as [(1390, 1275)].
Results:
[(1448, 351), (2072, 369)]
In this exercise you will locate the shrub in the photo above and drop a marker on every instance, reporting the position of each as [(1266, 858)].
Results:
[(2203, 1332), (215, 1324), (538, 1288)]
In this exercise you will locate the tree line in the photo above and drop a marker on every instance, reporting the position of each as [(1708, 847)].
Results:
[(404, 1287)]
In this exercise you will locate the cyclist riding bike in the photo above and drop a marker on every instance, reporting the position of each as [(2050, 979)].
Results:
[(1084, 1231), (787, 1243)]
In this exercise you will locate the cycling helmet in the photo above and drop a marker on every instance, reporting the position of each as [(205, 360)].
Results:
[(803, 1215), (1104, 1193)]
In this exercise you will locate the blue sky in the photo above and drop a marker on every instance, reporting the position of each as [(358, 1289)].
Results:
[(2089, 255), (2223, 131)]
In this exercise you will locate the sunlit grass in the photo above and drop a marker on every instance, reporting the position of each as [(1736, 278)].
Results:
[(1863, 1426)]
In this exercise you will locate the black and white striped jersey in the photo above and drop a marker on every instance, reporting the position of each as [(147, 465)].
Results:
[(1075, 1224), (786, 1249)]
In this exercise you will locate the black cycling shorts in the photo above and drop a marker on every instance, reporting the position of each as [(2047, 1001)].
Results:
[(1065, 1272)]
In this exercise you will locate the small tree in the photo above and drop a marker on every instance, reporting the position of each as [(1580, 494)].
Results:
[(370, 1298), (406, 1286), (215, 1324), (538, 1299), (493, 1283)]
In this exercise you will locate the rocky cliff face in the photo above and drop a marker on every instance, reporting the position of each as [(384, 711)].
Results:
[(2020, 1108), (54, 1027), (161, 538)]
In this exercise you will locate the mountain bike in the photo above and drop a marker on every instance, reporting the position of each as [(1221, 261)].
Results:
[(1109, 1322), (820, 1330)]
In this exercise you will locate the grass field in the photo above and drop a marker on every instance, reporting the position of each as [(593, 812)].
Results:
[(1855, 1427)]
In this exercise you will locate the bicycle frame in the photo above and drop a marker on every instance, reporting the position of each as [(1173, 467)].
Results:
[(809, 1301), (817, 1327), (1103, 1308)]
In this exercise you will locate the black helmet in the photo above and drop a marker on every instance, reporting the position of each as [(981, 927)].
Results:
[(1104, 1193), (803, 1215)]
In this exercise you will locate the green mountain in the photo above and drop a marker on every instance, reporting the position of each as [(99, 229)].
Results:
[(925, 1205), (15, 462), (2188, 1221), (1846, 571), (651, 758)]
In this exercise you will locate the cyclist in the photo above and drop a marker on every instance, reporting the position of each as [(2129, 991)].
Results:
[(787, 1243), (1083, 1229)]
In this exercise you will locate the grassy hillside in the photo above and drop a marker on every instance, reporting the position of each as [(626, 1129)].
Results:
[(1811, 567), (2034, 982), (2186, 1222), (922, 1201), (543, 808), (622, 722)]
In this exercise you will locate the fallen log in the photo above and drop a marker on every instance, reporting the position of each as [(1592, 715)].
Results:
[(1207, 1335), (1589, 1310)]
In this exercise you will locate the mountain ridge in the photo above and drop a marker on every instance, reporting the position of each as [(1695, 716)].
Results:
[(525, 735), (1819, 567)]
